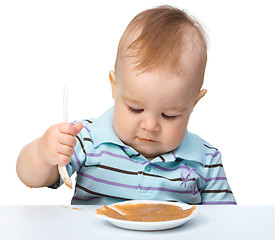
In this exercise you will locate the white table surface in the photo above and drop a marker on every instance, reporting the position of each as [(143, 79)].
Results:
[(62, 222)]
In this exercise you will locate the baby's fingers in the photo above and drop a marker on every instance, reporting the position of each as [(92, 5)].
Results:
[(63, 159), (68, 140), (70, 129), (65, 150)]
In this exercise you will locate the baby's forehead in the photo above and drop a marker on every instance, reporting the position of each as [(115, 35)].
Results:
[(162, 90), (131, 79)]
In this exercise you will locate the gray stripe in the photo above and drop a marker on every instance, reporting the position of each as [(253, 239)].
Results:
[(217, 191), (98, 194), (213, 166)]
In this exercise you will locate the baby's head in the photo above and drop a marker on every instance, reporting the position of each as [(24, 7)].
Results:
[(157, 81)]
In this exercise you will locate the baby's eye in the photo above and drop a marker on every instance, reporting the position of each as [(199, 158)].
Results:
[(168, 116), (134, 110)]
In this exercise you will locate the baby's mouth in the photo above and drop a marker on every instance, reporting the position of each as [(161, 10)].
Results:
[(144, 139)]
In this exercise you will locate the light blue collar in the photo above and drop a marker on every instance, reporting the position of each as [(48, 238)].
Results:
[(192, 148), (102, 130)]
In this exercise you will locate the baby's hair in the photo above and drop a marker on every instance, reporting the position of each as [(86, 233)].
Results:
[(155, 38)]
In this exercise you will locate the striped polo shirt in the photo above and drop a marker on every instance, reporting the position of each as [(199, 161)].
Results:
[(108, 171)]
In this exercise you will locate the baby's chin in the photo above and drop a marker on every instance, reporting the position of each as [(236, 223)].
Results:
[(150, 155), (149, 152)]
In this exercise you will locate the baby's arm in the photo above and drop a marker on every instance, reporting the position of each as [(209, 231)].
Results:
[(217, 189), (38, 160)]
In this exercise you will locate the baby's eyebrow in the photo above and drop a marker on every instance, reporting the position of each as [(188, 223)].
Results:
[(128, 99), (176, 108)]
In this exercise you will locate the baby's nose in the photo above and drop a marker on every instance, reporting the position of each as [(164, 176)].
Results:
[(150, 124)]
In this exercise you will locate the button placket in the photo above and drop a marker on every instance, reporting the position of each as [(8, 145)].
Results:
[(140, 177), (147, 182), (145, 168)]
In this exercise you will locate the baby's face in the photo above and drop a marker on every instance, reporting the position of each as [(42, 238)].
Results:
[(152, 110)]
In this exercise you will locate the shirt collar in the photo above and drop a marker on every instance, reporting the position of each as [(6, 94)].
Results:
[(191, 148), (102, 130)]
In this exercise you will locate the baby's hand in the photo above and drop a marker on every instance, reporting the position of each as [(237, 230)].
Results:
[(56, 146)]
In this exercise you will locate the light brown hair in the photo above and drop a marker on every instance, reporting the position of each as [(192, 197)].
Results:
[(155, 39)]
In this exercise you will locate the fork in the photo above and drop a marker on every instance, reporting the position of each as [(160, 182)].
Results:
[(62, 168)]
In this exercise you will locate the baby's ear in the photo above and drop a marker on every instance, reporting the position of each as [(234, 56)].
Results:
[(200, 95), (112, 77)]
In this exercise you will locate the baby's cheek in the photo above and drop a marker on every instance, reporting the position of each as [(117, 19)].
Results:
[(122, 126), (174, 137)]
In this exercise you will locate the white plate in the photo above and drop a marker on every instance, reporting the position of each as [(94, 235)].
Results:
[(146, 226)]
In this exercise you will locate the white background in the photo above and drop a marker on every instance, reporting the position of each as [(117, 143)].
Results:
[(44, 44)]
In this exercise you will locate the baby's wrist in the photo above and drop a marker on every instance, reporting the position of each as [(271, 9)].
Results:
[(42, 161)]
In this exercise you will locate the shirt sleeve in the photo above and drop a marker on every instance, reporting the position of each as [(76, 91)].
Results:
[(78, 157), (216, 189)]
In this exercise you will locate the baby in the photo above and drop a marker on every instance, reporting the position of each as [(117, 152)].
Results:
[(140, 148)]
